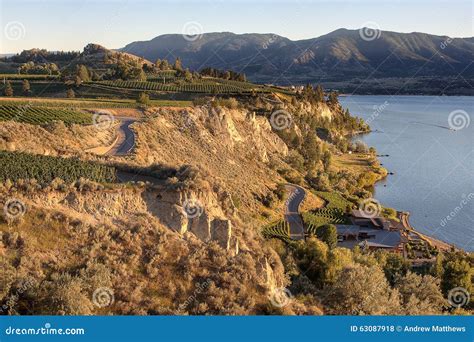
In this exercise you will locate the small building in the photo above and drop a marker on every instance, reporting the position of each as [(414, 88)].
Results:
[(361, 219), (350, 236)]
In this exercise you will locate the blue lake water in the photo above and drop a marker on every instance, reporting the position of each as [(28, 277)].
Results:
[(430, 143)]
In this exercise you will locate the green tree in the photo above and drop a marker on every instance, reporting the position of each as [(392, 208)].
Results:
[(328, 234), (8, 89), (361, 290), (143, 98), (333, 99), (395, 267), (311, 149), (178, 65), (188, 76), (326, 159), (83, 73), (164, 65), (70, 93), (26, 87), (457, 272), (311, 257), (420, 295), (319, 94)]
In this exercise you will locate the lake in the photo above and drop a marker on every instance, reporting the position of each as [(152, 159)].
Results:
[(430, 143)]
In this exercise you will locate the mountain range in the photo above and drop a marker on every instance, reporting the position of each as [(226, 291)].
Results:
[(340, 56)]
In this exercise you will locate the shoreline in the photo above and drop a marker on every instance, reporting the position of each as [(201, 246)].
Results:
[(404, 216)]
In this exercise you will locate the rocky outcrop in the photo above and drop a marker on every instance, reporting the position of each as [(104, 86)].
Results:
[(196, 212)]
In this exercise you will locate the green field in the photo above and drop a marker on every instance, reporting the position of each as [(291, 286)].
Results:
[(17, 165), (41, 115)]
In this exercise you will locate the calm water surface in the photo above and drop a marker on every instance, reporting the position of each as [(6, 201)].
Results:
[(433, 165)]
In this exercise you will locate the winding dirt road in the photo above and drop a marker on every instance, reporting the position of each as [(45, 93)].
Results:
[(296, 195)]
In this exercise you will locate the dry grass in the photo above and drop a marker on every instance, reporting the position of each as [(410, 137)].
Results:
[(355, 163)]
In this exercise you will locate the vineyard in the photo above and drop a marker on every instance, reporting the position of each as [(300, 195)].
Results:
[(28, 77), (39, 115), (277, 230), (44, 169), (91, 103), (167, 75), (205, 86), (334, 200), (319, 217)]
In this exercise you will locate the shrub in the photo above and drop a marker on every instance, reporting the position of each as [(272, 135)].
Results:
[(143, 98)]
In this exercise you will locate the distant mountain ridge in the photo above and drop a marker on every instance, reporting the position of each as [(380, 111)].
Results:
[(341, 55)]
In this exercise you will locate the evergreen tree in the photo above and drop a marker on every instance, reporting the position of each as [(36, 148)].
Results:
[(328, 234), (326, 159), (457, 272), (333, 99), (8, 89), (319, 94), (143, 98), (178, 65), (26, 87)]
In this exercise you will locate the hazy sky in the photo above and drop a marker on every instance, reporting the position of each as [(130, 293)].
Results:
[(71, 24)]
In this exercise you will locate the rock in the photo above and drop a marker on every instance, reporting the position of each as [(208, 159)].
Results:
[(222, 232)]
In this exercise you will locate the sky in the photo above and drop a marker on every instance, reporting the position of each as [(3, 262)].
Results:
[(72, 24)]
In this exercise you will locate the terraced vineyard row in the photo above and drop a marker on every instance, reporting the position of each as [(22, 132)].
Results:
[(45, 168), (201, 86), (334, 200), (319, 217), (91, 103), (277, 230), (42, 115), (28, 77)]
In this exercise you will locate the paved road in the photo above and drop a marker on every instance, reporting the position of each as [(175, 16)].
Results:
[(296, 195), (126, 139)]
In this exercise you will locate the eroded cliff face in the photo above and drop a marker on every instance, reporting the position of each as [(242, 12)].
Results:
[(233, 147), (183, 211)]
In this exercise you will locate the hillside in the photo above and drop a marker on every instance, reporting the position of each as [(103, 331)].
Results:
[(340, 56), (191, 220)]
